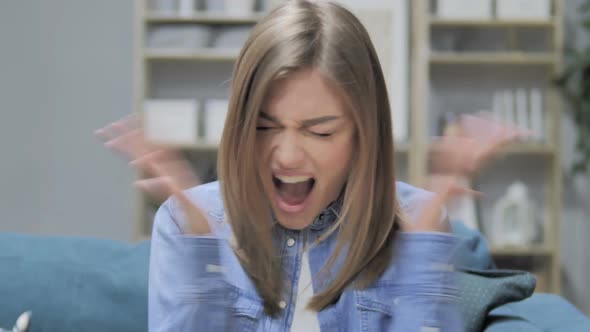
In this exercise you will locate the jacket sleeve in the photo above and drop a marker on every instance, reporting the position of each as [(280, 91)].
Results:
[(186, 287), (428, 297)]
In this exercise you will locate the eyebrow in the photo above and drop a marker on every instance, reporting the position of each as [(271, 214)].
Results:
[(305, 123)]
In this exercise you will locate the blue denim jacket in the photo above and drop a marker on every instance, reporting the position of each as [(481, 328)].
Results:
[(197, 284)]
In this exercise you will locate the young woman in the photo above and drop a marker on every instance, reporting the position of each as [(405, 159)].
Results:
[(307, 229)]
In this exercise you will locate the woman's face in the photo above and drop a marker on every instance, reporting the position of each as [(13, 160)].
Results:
[(306, 140)]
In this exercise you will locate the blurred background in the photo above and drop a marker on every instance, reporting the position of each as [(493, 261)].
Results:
[(69, 67)]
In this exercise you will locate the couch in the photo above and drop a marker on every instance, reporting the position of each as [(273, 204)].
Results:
[(91, 284)]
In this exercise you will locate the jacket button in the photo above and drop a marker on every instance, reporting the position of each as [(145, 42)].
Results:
[(291, 242), (282, 304)]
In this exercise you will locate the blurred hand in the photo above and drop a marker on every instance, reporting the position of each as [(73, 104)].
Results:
[(168, 172), (459, 157)]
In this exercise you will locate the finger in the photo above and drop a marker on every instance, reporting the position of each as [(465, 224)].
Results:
[(147, 159), (106, 133), (102, 134), (132, 144), (166, 159), (126, 124), (117, 128)]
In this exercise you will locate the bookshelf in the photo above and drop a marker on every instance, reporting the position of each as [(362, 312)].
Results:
[(428, 67), (160, 73)]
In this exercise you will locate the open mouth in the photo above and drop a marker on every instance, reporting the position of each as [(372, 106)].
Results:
[(293, 190)]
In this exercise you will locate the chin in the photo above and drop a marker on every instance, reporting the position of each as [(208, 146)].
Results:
[(293, 222)]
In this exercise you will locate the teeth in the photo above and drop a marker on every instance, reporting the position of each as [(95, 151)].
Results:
[(293, 179)]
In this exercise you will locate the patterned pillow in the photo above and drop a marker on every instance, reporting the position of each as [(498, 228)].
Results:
[(22, 323), (485, 290)]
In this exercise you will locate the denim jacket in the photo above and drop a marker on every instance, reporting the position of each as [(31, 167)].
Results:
[(196, 283)]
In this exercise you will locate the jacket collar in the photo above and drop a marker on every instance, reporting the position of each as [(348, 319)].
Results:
[(327, 217)]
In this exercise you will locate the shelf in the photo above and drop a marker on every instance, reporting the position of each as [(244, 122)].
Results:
[(492, 58), (529, 250), (530, 149), (490, 23), (204, 17), (205, 54)]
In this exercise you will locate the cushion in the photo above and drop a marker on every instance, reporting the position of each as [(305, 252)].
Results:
[(485, 290), (483, 287), (74, 284), (540, 312), (474, 252)]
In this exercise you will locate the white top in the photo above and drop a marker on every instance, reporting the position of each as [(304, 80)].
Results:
[(304, 319)]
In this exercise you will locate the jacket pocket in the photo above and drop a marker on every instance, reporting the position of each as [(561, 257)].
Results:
[(246, 312), (374, 314)]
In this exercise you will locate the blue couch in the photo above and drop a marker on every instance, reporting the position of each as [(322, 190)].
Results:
[(88, 284)]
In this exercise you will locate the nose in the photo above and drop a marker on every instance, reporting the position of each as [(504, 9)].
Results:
[(288, 153)]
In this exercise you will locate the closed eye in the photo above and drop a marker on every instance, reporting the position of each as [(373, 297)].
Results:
[(322, 134), (263, 128)]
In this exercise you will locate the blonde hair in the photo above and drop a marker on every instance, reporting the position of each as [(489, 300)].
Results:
[(326, 37)]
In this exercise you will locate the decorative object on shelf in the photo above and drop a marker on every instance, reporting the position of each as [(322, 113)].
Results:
[(522, 108), (172, 122), (575, 85), (536, 113), (215, 6), (192, 36), (523, 9), (503, 106), (464, 9), (513, 219), (230, 37), (164, 6), (231, 7), (522, 114), (215, 114), (186, 7), (239, 7)]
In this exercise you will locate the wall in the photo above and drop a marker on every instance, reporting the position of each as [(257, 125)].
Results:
[(66, 70)]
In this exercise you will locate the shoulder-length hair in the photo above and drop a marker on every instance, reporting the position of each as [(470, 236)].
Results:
[(325, 37)]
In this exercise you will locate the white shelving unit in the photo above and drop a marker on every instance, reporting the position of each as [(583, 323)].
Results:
[(425, 63), (150, 63)]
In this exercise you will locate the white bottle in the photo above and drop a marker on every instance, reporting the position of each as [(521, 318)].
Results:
[(513, 217)]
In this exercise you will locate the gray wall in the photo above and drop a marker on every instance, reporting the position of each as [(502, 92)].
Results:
[(65, 70)]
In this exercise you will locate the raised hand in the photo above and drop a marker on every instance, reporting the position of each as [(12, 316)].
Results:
[(167, 172), (455, 158)]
